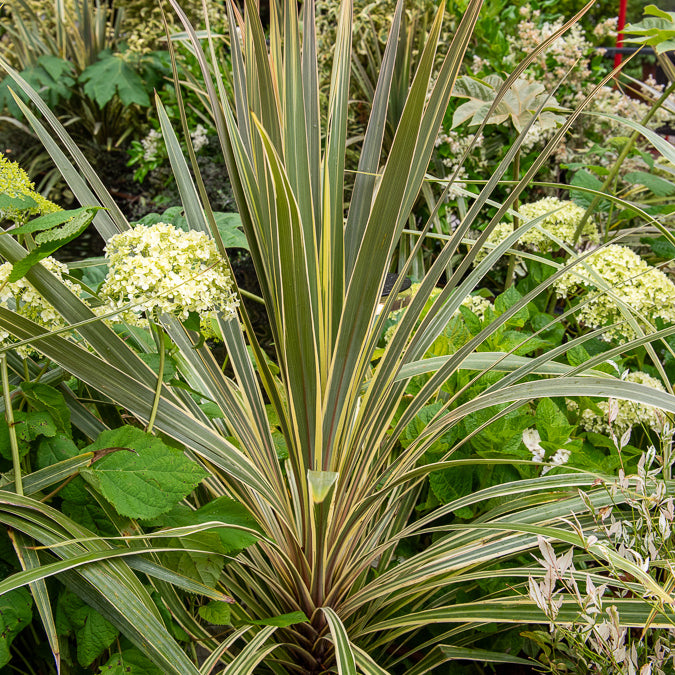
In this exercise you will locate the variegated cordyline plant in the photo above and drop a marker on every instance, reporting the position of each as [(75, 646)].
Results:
[(333, 515)]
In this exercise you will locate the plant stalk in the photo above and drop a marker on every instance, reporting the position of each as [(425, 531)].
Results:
[(160, 375), (619, 162), (510, 270), (9, 416)]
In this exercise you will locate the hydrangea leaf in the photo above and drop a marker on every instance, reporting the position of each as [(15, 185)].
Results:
[(49, 241), (27, 427), (111, 75), (90, 515), (282, 620), (55, 449), (655, 184), (17, 203), (93, 633), (146, 482), (585, 179), (48, 221), (229, 228), (222, 509), (508, 299), (661, 246), (216, 612), (129, 662), (47, 399), (15, 615), (450, 484)]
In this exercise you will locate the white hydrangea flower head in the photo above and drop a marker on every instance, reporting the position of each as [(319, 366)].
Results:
[(634, 282), (562, 221), (477, 304), (23, 298), (165, 269), (628, 413)]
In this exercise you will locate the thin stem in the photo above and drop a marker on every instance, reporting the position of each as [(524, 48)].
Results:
[(160, 375), (619, 162), (58, 489), (516, 223), (9, 416)]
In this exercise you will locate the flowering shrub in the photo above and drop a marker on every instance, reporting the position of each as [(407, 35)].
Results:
[(619, 416), (561, 222), (23, 298), (637, 527), (161, 268), (635, 283), (14, 182)]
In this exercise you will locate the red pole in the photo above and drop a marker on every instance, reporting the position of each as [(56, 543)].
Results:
[(619, 27)]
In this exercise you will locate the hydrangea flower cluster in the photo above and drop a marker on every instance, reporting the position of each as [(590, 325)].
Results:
[(643, 288), (562, 221), (165, 269), (628, 413), (22, 297), (477, 304), (14, 182)]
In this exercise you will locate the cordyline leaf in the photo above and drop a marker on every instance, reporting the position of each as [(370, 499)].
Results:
[(344, 654)]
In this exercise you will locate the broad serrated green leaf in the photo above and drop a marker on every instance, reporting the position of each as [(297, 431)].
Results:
[(48, 221), (94, 634), (661, 246), (55, 449), (143, 483), (223, 509), (282, 620), (229, 228), (16, 203), (49, 241), (111, 75), (203, 567), (655, 184), (218, 613), (15, 615), (27, 427), (129, 662), (47, 399)]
